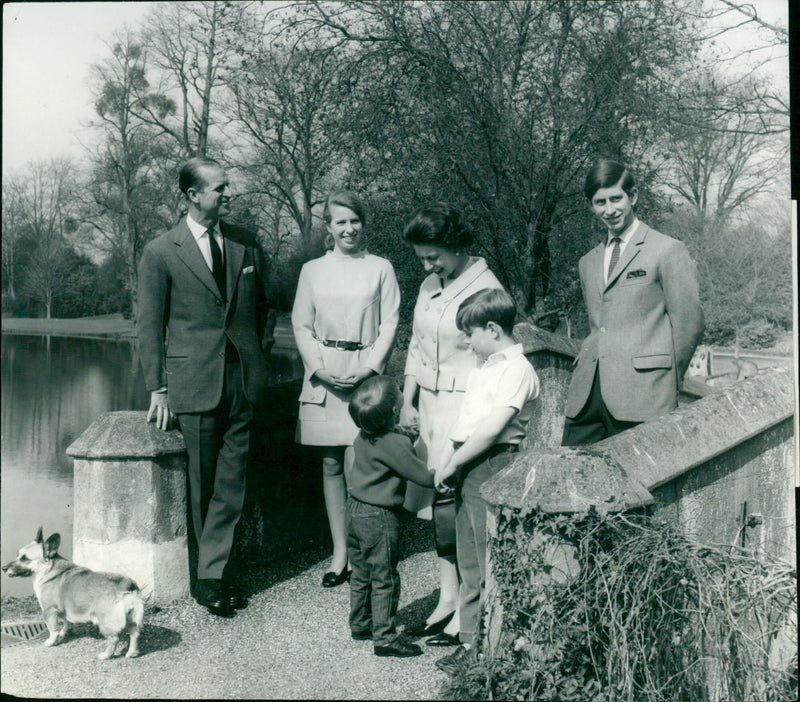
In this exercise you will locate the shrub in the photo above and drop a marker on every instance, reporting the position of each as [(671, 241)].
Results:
[(757, 334), (653, 616)]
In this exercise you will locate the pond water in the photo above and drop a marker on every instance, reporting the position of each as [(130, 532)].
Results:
[(52, 389)]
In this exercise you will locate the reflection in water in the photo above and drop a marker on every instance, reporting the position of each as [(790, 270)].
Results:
[(52, 389)]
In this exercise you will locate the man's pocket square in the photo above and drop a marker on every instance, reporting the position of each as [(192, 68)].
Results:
[(247, 270), (636, 274)]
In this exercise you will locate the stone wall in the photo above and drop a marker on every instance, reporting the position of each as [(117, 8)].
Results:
[(699, 465)]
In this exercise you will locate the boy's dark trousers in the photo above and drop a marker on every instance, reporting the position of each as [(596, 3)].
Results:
[(471, 534), (373, 534)]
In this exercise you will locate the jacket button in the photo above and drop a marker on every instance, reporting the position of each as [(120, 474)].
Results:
[(603, 330), (221, 354), (219, 302)]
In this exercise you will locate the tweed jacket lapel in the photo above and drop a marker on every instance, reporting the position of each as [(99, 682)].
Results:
[(594, 270), (631, 251), (188, 251)]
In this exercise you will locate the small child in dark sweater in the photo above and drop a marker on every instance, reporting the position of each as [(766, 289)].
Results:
[(376, 486)]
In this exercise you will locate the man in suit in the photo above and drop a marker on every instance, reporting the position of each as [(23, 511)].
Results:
[(640, 289), (202, 316)]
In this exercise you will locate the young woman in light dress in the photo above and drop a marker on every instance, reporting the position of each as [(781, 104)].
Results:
[(344, 319)]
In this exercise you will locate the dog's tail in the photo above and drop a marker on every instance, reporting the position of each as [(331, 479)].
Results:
[(134, 606)]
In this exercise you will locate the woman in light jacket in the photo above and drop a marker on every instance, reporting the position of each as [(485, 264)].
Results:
[(344, 319), (438, 364)]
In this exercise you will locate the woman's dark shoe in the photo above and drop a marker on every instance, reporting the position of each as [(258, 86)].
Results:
[(423, 629), (331, 579), (443, 639)]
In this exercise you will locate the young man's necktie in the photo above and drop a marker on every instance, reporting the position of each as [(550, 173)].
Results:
[(614, 256)]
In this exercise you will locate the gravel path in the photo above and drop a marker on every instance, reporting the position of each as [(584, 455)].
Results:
[(273, 649)]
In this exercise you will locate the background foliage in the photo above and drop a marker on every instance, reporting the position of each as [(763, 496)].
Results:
[(498, 107)]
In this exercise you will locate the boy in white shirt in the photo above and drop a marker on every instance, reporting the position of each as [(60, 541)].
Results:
[(491, 424)]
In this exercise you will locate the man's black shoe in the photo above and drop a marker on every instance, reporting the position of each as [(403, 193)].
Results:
[(398, 649), (236, 600), (365, 635), (210, 594)]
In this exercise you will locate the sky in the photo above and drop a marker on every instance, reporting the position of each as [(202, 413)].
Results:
[(48, 49)]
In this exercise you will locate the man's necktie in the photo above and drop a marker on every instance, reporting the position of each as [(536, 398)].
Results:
[(614, 256), (217, 268)]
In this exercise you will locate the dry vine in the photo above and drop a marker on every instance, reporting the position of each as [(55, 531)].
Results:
[(652, 616)]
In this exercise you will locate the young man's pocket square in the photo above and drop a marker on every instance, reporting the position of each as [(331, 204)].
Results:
[(636, 274), (247, 270)]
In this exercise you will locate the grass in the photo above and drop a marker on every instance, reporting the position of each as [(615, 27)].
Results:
[(107, 326)]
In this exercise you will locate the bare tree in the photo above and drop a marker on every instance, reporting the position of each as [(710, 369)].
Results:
[(717, 159), (45, 205), (189, 45), (15, 226), (289, 105), (128, 201), (506, 103)]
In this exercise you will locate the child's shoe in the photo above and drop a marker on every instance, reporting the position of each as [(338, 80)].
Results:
[(399, 649)]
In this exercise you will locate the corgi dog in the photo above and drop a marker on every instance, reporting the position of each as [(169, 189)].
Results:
[(69, 594)]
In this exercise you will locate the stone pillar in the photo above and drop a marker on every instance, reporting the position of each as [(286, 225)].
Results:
[(130, 503), (552, 356)]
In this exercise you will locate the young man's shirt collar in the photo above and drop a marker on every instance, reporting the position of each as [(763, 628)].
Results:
[(625, 237)]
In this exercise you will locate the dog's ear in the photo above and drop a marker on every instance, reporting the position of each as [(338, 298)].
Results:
[(51, 545), (39, 539)]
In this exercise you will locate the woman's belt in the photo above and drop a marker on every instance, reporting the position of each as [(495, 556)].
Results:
[(343, 345)]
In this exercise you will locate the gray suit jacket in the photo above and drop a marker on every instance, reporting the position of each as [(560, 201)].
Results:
[(182, 323), (644, 326)]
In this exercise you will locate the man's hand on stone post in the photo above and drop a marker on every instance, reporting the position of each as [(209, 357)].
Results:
[(159, 410)]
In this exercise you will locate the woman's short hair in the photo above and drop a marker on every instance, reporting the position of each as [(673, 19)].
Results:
[(606, 174), (484, 306), (345, 198), (373, 404), (438, 224), (191, 176)]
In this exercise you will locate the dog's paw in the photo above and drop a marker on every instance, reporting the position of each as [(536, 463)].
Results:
[(132, 653), (53, 640)]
